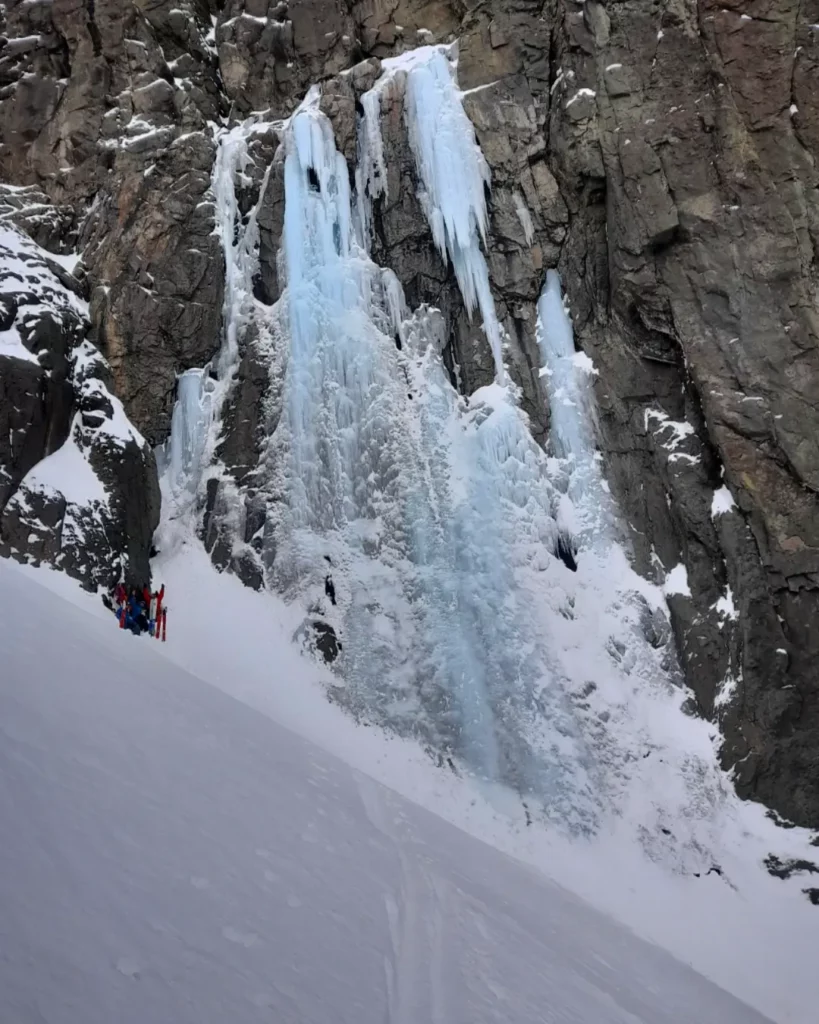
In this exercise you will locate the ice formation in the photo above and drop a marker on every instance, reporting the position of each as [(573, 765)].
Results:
[(450, 166), (439, 515), (192, 416), (421, 529), (190, 454), (587, 512)]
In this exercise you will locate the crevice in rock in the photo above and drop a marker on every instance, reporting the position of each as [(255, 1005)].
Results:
[(93, 30)]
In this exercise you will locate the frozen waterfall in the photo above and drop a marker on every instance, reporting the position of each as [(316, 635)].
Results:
[(181, 459), (189, 456), (438, 515), (429, 505)]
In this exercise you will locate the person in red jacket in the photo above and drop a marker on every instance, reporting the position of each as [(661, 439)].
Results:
[(120, 598)]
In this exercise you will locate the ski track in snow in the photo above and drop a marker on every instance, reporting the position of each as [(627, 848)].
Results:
[(170, 854)]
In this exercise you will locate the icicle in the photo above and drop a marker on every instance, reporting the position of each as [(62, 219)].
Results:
[(371, 169), (452, 170), (566, 375), (394, 295)]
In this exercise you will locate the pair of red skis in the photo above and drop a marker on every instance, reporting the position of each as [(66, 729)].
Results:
[(161, 625)]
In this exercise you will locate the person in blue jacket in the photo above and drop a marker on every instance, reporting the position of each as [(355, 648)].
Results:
[(135, 616)]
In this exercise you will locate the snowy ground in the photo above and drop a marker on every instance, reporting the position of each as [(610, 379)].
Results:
[(140, 796), (171, 854)]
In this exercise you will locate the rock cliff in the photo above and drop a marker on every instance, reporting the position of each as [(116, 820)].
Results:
[(661, 155)]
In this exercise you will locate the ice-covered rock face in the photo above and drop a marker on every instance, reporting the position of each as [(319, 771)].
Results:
[(446, 529)]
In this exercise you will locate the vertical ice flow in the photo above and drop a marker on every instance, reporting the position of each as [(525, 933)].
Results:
[(182, 455), (566, 376), (333, 293), (371, 169), (239, 242), (586, 514), (452, 170), (419, 498), (196, 421)]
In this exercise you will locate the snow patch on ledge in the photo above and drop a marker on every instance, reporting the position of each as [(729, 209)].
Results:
[(727, 690), (725, 606), (722, 502), (590, 93), (679, 429), (67, 472), (676, 582)]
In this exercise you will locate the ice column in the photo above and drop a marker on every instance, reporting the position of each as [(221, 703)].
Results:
[(239, 242), (330, 363), (568, 375), (182, 461)]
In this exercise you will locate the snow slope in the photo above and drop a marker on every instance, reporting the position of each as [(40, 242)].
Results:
[(170, 854), (750, 933)]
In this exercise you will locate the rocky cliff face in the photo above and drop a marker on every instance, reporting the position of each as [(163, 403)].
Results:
[(78, 484), (661, 155)]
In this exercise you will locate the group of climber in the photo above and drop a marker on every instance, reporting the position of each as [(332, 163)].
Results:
[(140, 610)]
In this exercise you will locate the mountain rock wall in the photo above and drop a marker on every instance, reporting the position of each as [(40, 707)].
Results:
[(661, 155)]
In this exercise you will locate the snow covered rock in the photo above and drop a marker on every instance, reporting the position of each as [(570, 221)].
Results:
[(108, 111), (78, 484)]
